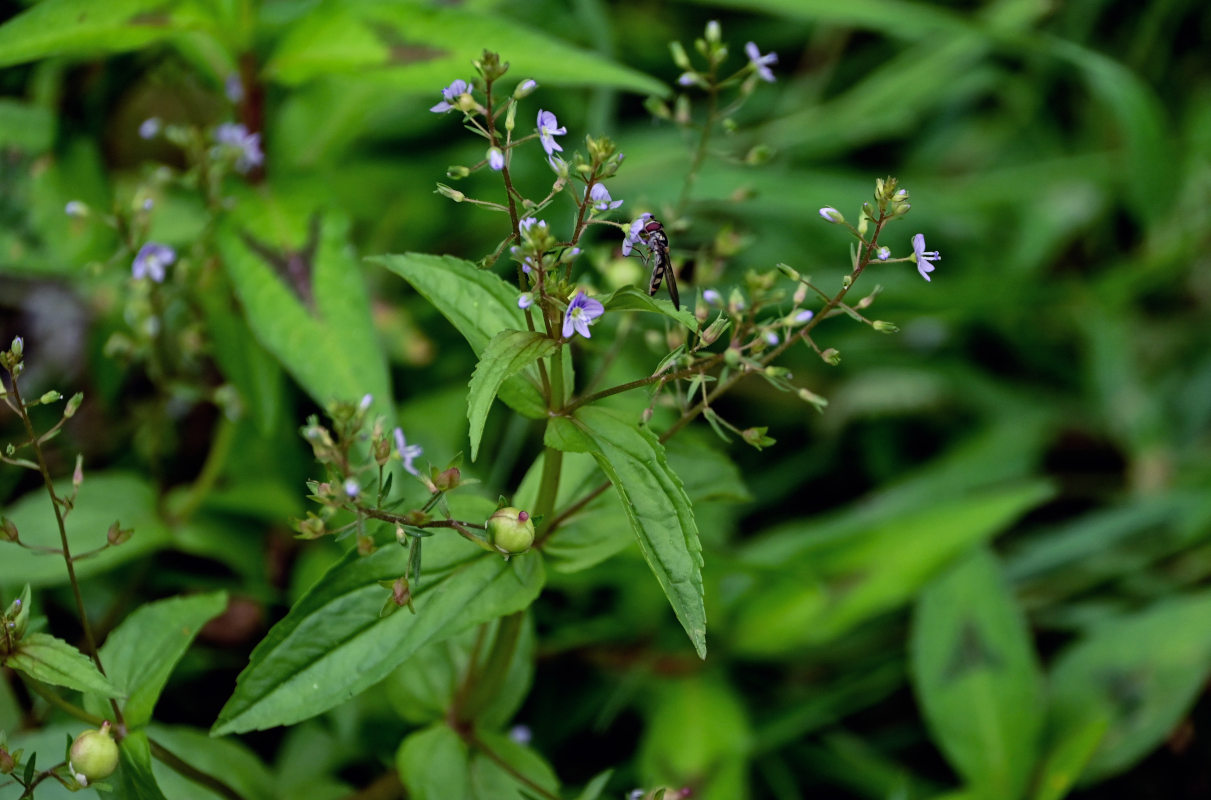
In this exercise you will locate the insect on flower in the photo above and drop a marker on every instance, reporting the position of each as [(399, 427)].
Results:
[(652, 234)]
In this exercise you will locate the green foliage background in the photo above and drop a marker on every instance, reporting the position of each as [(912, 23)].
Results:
[(982, 572)]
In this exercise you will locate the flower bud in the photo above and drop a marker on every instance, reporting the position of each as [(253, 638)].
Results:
[(831, 356), (679, 56), (731, 357), (808, 396), (365, 545), (831, 214), (788, 271), (511, 530), (77, 475), (453, 194), (310, 528), (50, 397), (714, 33), (450, 479), (7, 762), (457, 172), (884, 327), (73, 405), (94, 755), (716, 329), (18, 347), (525, 88), (75, 208)]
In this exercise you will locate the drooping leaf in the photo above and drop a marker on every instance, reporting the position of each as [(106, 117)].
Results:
[(1139, 674), (1067, 756), (229, 759), (50, 660), (977, 676), (492, 780), (655, 502), (506, 355), (594, 788), (477, 303), (142, 652), (334, 643)]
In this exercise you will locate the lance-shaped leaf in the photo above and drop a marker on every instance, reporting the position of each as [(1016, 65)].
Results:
[(142, 652), (655, 503), (508, 353), (977, 676), (629, 298), (54, 661), (304, 299), (479, 305), (334, 643)]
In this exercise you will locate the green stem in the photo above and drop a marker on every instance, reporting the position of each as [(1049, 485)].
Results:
[(181, 767), (220, 449), (40, 689)]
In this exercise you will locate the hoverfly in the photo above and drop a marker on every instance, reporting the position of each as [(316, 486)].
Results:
[(657, 242)]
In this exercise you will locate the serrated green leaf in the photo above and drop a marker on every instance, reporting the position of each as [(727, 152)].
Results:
[(1141, 673), (142, 652), (629, 298), (477, 303), (506, 355), (320, 328), (103, 497), (423, 47), (50, 660), (334, 644), (134, 779), (977, 676), (655, 502)]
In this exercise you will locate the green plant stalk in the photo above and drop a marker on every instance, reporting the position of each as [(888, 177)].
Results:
[(220, 449), (91, 641)]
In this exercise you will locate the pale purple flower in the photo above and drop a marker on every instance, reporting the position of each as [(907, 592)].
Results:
[(521, 734), (496, 159), (233, 87), (150, 128), (75, 208), (581, 312), (364, 405), (713, 297), (633, 234), (804, 315), (923, 257), (151, 261), (831, 214), (548, 129), (687, 79), (761, 62), (235, 136), (525, 300), (450, 94), (407, 452), (525, 88), (884, 253), (529, 222), (600, 197), (149, 204), (771, 338), (352, 488)]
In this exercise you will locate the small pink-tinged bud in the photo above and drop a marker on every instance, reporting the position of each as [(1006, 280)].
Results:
[(311, 528), (365, 545), (8, 530), (73, 405), (77, 475), (447, 480), (94, 755), (7, 762), (831, 356), (511, 530), (401, 593)]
